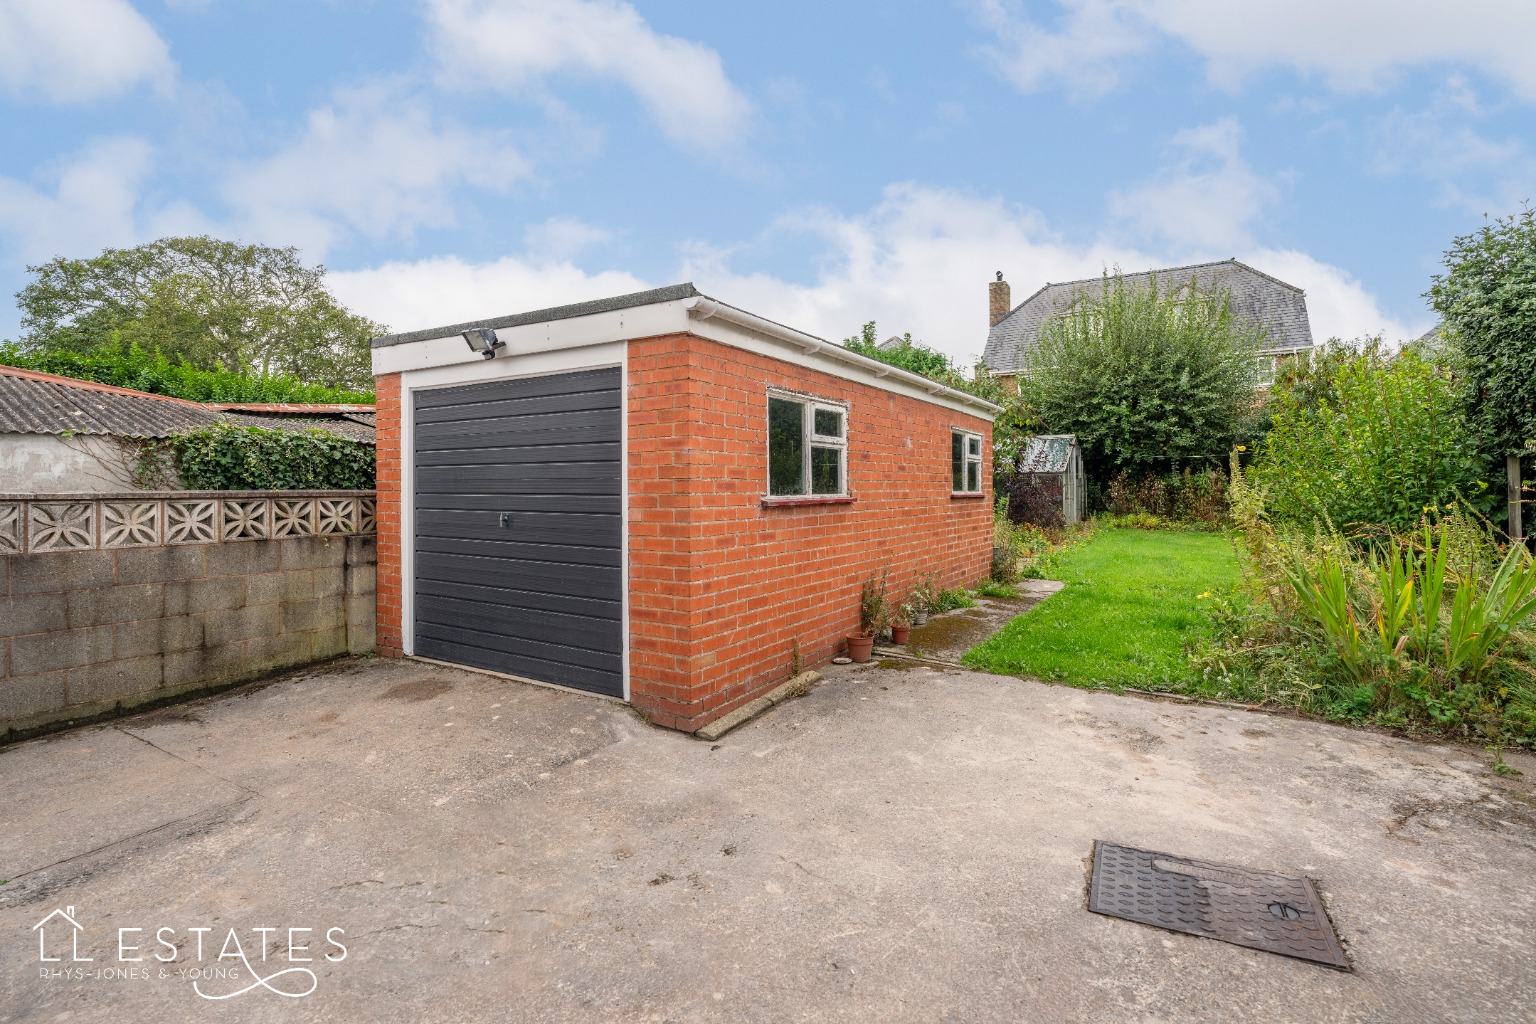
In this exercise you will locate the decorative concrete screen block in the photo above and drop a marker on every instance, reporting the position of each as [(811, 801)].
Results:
[(62, 526), (191, 522), (10, 527), (126, 524), (293, 517), (67, 522), (336, 515), (245, 519)]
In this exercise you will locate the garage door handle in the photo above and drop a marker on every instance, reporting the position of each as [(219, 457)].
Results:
[(506, 519)]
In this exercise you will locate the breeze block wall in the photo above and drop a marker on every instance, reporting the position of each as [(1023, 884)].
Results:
[(111, 602), (724, 589)]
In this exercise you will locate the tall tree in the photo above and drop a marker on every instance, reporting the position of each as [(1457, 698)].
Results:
[(1487, 297), (215, 304), (1147, 380)]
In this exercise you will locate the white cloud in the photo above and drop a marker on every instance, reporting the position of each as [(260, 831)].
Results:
[(1441, 142), (409, 296), (559, 239), (1087, 52), (1353, 45), (510, 45), (94, 201), (1206, 199), (75, 50), (919, 261), (371, 163), (1338, 305)]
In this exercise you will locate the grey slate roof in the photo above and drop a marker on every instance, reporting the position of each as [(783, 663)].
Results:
[(1046, 453), (540, 316), (1258, 298), (33, 403)]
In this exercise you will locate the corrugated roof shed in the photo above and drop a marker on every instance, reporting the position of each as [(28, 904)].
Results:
[(1280, 308), (1046, 453), (42, 403)]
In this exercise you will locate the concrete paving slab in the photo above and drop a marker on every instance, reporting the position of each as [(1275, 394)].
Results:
[(898, 845)]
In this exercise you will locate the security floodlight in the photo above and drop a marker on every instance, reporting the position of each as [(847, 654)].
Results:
[(484, 341)]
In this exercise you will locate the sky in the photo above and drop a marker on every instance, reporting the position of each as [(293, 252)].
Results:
[(821, 164)]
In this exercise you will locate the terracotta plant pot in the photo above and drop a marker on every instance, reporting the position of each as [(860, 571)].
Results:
[(861, 647), (899, 634)]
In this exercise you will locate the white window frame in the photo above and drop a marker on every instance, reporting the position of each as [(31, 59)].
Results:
[(966, 461), (809, 438)]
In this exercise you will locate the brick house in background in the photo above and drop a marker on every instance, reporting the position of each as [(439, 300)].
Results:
[(1279, 308), (660, 497)]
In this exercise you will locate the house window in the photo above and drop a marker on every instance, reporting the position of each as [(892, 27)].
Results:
[(1266, 374), (807, 447), (965, 462)]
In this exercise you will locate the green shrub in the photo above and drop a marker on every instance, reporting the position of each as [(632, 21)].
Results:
[(1191, 498), (1380, 443), (1428, 629), (149, 370), (226, 457), (1149, 380)]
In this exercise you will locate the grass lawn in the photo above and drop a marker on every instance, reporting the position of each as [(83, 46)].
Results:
[(1130, 609)]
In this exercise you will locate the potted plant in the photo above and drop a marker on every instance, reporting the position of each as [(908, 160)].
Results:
[(872, 619), (921, 598), (901, 623)]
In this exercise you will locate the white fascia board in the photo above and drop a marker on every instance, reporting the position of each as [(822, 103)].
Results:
[(531, 339), (704, 318)]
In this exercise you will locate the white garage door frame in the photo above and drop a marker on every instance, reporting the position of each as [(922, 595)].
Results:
[(506, 367)]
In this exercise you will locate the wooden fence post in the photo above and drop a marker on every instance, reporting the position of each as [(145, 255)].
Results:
[(1512, 478)]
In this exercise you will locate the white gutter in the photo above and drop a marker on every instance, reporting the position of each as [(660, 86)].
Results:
[(701, 308)]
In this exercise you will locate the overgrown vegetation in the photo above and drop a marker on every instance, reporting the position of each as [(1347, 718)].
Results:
[(1023, 550), (1425, 627), (1487, 298), (131, 366), (1366, 437), (226, 457), (1131, 613), (213, 304), (1188, 500), (1151, 382)]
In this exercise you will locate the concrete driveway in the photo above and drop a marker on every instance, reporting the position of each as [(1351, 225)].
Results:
[(898, 845)]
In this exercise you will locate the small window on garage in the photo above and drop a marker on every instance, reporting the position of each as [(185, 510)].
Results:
[(807, 447), (965, 462)]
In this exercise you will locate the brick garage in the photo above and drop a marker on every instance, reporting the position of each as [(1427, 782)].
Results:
[(660, 497)]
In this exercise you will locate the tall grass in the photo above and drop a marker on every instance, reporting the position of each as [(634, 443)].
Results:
[(1423, 628)]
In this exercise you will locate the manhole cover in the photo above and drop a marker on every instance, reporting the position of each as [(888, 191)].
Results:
[(1275, 913)]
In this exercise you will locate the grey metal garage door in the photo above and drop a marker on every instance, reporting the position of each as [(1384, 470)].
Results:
[(519, 529)]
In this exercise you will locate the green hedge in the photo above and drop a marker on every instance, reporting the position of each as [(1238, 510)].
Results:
[(226, 457), (141, 370)]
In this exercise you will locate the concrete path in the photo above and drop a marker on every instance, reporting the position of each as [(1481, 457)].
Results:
[(898, 845)]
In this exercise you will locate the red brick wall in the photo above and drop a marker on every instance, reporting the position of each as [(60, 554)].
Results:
[(721, 587), (387, 441)]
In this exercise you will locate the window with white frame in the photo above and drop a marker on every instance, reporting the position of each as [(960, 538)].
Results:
[(965, 462), (1268, 365), (807, 447)]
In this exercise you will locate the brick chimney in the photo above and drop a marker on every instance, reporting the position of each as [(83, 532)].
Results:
[(999, 302)]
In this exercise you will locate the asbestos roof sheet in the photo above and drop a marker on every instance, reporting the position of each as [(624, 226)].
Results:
[(1280, 308), (41, 403)]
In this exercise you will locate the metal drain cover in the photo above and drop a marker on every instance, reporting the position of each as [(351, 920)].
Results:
[(1275, 913)]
